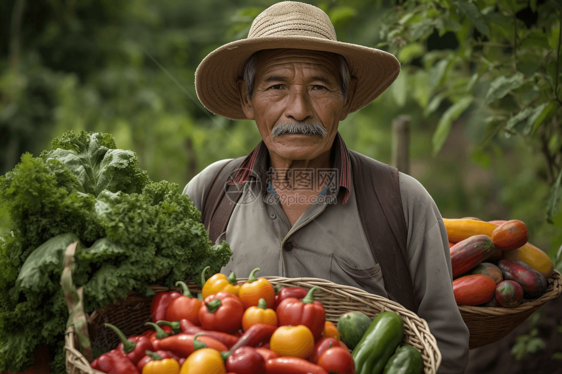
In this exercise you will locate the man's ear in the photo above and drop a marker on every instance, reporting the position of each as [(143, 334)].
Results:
[(245, 100), (350, 93)]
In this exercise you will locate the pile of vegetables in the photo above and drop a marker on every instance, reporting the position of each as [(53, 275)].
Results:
[(494, 265), (249, 329), (133, 232)]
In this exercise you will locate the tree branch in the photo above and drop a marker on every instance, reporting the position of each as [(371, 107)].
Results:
[(558, 60), (17, 15)]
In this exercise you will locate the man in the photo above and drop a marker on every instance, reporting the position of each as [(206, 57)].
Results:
[(306, 206)]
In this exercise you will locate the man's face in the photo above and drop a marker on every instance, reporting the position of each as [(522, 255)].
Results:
[(296, 87)]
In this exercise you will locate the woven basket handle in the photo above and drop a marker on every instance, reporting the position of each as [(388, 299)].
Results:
[(75, 302)]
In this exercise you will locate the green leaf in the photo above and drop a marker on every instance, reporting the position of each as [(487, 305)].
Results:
[(446, 121), (342, 15), (518, 119), (545, 114), (471, 11), (481, 158), (536, 345), (502, 85), (556, 356), (410, 52), (554, 198), (43, 262), (420, 87), (438, 73), (446, 24), (433, 104), (533, 117), (421, 29), (400, 88)]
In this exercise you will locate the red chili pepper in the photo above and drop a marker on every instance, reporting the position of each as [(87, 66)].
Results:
[(184, 307), (245, 360), (337, 360), (323, 345), (292, 365), (160, 304), (286, 292), (222, 312), (134, 347), (267, 353), (146, 359), (189, 328), (157, 335), (184, 344), (305, 312), (115, 362), (256, 334)]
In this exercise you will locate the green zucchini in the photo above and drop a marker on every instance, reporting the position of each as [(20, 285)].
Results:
[(406, 360)]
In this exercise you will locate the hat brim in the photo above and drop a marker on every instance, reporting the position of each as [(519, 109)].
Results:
[(216, 76)]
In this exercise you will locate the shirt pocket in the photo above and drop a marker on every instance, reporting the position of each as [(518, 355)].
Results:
[(366, 278)]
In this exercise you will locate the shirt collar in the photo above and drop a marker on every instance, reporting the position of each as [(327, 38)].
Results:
[(255, 165)]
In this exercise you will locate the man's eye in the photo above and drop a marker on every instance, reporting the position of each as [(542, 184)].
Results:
[(318, 87), (275, 87)]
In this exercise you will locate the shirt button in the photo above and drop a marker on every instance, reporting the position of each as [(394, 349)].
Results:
[(288, 246), (272, 215)]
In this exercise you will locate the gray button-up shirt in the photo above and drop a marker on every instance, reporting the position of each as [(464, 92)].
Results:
[(328, 242)]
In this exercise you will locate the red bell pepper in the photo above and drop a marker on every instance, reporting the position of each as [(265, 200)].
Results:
[(337, 360), (160, 304), (189, 328), (184, 344), (286, 292), (323, 345), (184, 307), (222, 312), (134, 347), (245, 360), (114, 362), (292, 365), (305, 312), (146, 359), (157, 335), (255, 335)]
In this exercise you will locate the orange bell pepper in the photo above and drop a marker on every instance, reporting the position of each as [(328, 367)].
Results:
[(330, 331), (160, 366), (255, 289), (219, 283), (294, 341), (259, 314), (204, 361)]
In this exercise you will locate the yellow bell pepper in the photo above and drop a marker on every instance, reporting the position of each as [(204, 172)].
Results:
[(160, 366), (204, 361), (259, 314), (219, 283), (293, 341)]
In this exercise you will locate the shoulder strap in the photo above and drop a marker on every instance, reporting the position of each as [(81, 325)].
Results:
[(379, 203), (220, 200)]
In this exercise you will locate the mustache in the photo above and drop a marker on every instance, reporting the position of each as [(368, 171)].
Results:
[(313, 128)]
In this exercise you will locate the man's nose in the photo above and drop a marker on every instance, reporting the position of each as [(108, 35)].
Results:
[(299, 107)]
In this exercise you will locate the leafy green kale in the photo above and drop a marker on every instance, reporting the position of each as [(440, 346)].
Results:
[(133, 233)]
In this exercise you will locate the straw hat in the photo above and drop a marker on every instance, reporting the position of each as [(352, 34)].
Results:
[(295, 25)]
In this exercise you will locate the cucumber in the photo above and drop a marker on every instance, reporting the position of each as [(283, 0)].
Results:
[(352, 327), (406, 360)]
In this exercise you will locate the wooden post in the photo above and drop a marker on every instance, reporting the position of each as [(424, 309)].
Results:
[(401, 144)]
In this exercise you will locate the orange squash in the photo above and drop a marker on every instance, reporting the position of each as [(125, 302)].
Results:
[(460, 229), (510, 235)]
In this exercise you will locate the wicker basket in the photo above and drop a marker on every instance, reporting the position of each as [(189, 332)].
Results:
[(488, 325), (131, 314)]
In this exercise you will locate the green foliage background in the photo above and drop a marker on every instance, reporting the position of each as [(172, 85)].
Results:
[(480, 82)]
